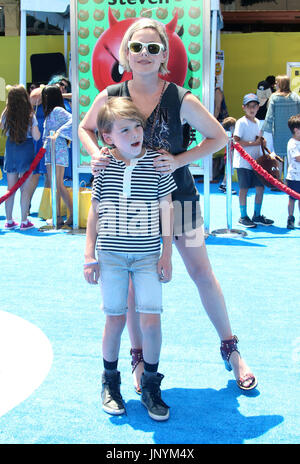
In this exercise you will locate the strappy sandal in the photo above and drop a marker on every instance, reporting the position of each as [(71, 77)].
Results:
[(227, 348), (136, 359)]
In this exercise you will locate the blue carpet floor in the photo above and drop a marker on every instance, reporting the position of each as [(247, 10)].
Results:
[(51, 329)]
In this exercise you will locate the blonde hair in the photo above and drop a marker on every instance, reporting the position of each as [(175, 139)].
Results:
[(117, 108), (283, 83), (144, 23)]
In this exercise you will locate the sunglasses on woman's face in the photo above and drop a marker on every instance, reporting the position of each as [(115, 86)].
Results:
[(152, 47)]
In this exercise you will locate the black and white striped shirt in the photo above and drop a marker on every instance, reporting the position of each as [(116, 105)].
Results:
[(128, 207)]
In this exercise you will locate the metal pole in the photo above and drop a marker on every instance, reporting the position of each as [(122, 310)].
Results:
[(23, 56), (229, 181), (53, 180), (75, 109), (229, 232)]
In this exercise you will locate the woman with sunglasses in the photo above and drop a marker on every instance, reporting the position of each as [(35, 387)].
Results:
[(170, 111)]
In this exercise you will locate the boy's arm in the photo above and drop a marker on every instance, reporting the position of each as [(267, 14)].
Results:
[(91, 265), (245, 143), (295, 154), (164, 266)]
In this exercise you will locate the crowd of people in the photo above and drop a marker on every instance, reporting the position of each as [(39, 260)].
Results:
[(268, 122), (145, 124), (27, 121)]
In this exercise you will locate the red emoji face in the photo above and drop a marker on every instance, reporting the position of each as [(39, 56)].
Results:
[(105, 60)]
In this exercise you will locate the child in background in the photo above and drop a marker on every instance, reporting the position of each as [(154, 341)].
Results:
[(20, 125), (129, 200), (59, 120), (36, 101), (246, 133), (229, 125), (293, 173)]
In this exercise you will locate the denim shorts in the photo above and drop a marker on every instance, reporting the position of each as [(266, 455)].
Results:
[(115, 269), (248, 179), (294, 185)]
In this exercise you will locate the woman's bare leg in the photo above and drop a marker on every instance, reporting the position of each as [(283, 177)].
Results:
[(12, 178), (63, 192), (192, 249), (25, 198)]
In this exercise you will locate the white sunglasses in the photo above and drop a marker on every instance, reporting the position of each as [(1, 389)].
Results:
[(152, 47)]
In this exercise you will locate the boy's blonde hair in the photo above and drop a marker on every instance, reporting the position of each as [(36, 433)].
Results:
[(283, 83), (144, 23), (117, 108)]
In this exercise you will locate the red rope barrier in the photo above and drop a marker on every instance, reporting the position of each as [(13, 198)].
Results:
[(25, 176), (264, 173)]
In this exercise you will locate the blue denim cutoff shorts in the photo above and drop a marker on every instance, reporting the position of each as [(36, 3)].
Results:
[(115, 269)]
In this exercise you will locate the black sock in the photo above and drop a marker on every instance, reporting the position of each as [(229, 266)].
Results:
[(110, 367), (150, 369)]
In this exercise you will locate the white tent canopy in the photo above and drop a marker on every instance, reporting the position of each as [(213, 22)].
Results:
[(50, 5), (41, 10)]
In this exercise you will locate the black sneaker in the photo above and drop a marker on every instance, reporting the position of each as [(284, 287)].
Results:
[(151, 397), (246, 222), (291, 222), (112, 401), (223, 189), (262, 220)]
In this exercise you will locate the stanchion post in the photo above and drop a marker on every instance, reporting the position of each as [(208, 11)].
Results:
[(229, 232), (53, 180), (229, 181)]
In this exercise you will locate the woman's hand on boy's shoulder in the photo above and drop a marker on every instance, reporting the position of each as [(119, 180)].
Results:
[(100, 161)]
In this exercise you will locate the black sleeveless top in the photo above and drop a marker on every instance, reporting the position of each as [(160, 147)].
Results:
[(168, 134), (262, 111)]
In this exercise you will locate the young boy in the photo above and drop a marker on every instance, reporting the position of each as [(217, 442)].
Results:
[(130, 200), (246, 133), (293, 174), (229, 125)]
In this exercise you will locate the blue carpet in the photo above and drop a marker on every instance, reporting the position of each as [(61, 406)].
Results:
[(43, 285)]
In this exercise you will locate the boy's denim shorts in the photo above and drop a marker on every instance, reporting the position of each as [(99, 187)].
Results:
[(248, 179), (115, 269)]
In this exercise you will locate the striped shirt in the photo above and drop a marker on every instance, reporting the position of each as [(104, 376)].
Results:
[(128, 207)]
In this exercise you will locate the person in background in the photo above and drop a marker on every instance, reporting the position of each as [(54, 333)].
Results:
[(59, 120), (282, 105), (36, 101), (264, 92), (293, 174), (19, 124), (220, 108), (221, 113), (229, 125), (246, 133), (65, 88), (271, 81)]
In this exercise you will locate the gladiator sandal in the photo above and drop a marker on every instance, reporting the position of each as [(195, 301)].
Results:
[(227, 348), (136, 359)]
